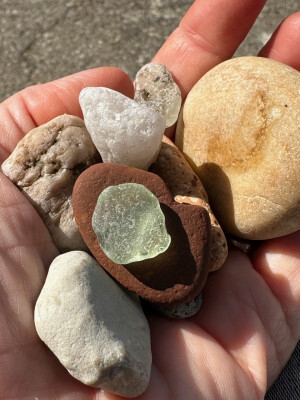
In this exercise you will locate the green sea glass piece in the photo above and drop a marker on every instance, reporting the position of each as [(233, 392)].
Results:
[(129, 223)]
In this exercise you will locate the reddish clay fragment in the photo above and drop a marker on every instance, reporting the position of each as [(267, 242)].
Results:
[(171, 278)]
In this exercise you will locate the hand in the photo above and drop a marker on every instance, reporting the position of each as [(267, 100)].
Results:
[(235, 347)]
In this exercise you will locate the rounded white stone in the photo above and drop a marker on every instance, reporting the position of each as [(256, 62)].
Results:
[(95, 328)]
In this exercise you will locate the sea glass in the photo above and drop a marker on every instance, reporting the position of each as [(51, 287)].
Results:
[(129, 223)]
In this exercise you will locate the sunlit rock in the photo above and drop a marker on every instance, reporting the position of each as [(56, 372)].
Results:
[(123, 131), (155, 87)]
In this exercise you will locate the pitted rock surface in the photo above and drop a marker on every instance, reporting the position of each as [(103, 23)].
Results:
[(44, 165), (155, 87)]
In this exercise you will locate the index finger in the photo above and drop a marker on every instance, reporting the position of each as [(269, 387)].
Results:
[(35, 105), (208, 34)]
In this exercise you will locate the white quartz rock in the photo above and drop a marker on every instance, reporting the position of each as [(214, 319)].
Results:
[(155, 87), (123, 131), (95, 328)]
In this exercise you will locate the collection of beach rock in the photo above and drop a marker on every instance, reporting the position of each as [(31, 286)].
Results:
[(128, 211)]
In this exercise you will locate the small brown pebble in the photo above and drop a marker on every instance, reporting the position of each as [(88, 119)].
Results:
[(186, 187)]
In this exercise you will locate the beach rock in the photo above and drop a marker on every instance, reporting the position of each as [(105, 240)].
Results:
[(182, 311), (155, 87), (186, 187), (173, 277), (240, 131), (124, 131), (45, 165), (95, 328)]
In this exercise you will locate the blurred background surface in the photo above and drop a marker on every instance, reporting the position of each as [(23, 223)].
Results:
[(42, 40)]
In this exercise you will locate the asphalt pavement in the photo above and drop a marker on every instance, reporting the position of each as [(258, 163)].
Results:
[(42, 40)]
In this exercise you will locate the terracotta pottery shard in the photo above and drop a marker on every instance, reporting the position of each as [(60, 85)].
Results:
[(173, 277)]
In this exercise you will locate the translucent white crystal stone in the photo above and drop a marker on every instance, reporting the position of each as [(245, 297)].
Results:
[(129, 223), (123, 131), (155, 87)]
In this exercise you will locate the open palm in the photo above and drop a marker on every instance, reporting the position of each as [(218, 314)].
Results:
[(248, 325)]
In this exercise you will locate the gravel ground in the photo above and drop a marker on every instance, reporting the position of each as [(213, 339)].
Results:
[(41, 41)]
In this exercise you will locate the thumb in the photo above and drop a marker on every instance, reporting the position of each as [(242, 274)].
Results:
[(38, 104)]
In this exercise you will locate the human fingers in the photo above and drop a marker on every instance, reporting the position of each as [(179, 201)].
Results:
[(284, 44), (278, 263), (38, 104), (208, 34)]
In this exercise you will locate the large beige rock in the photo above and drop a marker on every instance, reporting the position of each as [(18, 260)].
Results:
[(240, 131), (96, 329), (45, 165)]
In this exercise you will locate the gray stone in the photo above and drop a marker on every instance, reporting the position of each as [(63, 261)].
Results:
[(45, 165), (124, 131), (95, 328), (155, 87), (181, 311)]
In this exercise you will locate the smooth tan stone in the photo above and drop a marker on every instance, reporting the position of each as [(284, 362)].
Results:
[(97, 329), (240, 131)]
